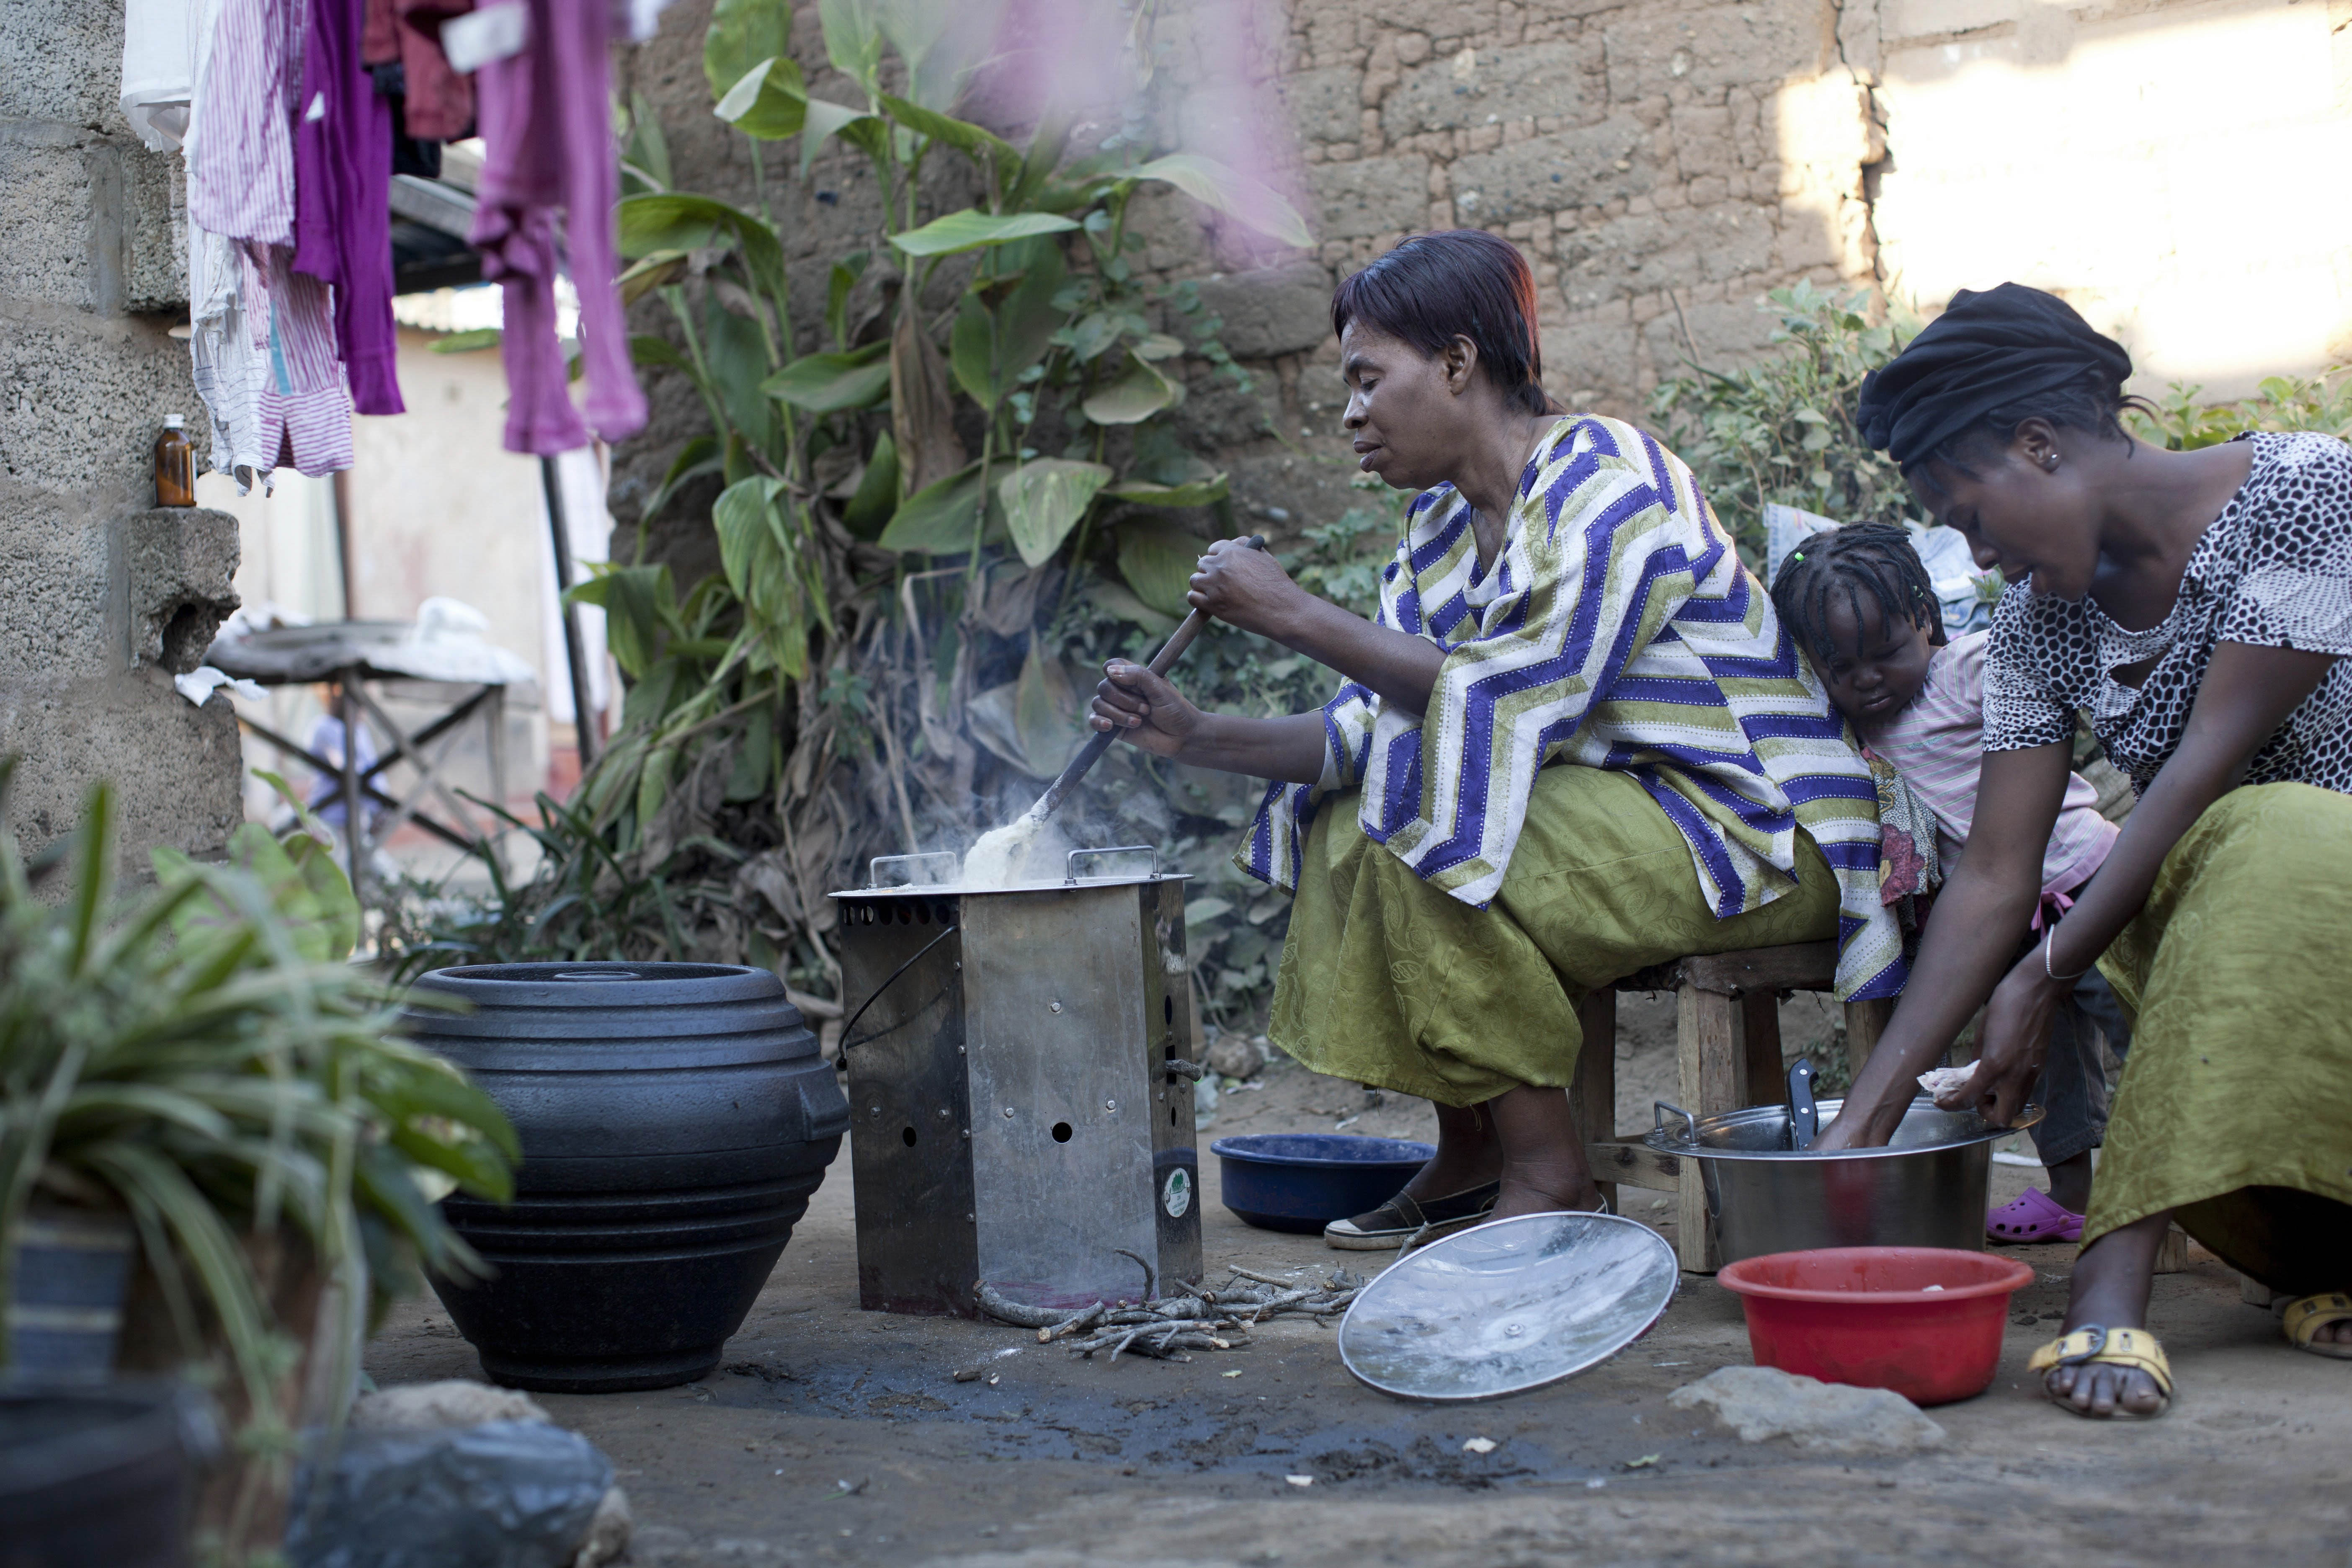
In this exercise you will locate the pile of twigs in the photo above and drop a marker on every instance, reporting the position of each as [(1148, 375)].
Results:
[(1167, 1327)]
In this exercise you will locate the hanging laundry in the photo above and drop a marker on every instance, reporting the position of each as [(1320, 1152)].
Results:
[(342, 203), (546, 125), (159, 69), (263, 343), (440, 102)]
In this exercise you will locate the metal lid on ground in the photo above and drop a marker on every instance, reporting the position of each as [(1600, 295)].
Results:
[(1508, 1306)]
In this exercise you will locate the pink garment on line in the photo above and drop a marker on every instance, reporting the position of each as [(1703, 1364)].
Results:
[(546, 125), (286, 381), (342, 201)]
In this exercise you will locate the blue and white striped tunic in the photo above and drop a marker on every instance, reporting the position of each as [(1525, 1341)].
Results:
[(1616, 629)]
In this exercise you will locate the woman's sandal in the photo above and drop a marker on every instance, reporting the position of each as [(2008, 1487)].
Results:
[(2306, 1315), (1403, 1219), (2092, 1345), (2035, 1217)]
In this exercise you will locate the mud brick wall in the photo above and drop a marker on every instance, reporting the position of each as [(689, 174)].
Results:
[(1661, 164)]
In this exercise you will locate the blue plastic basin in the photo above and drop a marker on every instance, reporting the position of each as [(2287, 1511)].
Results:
[(1303, 1181)]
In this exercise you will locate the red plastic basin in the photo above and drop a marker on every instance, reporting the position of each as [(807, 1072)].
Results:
[(1865, 1316)]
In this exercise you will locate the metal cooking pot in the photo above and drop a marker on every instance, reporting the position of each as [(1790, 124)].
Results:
[(1925, 1188)]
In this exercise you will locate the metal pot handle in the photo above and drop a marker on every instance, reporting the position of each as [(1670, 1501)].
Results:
[(954, 869), (1659, 1108), (1070, 866)]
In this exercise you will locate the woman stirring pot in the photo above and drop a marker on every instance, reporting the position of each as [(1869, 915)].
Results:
[(2196, 605), (1575, 742)]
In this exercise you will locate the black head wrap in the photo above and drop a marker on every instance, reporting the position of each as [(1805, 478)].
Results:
[(1988, 349)]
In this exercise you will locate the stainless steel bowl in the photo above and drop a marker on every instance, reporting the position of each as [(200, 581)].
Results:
[(1925, 1188)]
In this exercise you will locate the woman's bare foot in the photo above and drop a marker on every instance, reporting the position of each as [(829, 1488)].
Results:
[(1543, 1165), (2111, 1284)]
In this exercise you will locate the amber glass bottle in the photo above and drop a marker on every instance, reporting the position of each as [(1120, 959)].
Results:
[(175, 465)]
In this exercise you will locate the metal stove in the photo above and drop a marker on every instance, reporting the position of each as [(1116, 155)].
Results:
[(1020, 1084)]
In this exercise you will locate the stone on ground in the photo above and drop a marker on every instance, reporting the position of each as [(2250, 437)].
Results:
[(1761, 1401)]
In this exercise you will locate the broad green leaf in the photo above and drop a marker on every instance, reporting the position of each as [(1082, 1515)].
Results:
[(1158, 562), (843, 278), (658, 270), (971, 229), (468, 343), (1159, 346), (1045, 707), (771, 102), (828, 384), (697, 458), (1230, 191), (1121, 601), (878, 491), (855, 126), (1027, 319), (1044, 155), (1138, 394), (1198, 492), (647, 351), (333, 906), (938, 517), (676, 221), (972, 351), (853, 38), (739, 518), (640, 605), (1091, 334), (1043, 500), (735, 351), (743, 33), (973, 140), (647, 153)]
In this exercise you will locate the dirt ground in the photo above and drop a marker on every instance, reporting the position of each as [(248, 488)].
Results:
[(836, 1436)]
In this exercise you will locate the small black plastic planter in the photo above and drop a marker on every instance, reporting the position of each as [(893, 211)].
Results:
[(675, 1120)]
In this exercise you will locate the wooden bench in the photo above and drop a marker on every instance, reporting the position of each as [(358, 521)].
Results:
[(1728, 1023)]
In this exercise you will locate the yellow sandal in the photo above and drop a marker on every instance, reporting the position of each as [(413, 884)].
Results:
[(2093, 1345), (2307, 1315)]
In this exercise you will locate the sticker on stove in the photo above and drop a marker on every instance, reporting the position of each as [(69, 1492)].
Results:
[(1176, 1194)]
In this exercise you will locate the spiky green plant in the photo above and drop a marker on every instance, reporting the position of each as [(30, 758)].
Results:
[(201, 1056)]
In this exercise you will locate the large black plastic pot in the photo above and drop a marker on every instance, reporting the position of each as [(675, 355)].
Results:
[(675, 1120), (92, 1476)]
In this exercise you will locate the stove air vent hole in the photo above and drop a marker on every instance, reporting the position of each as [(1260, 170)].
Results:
[(906, 1136), (1061, 1131)]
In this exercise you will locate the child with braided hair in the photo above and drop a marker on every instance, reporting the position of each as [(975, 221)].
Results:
[(1858, 600)]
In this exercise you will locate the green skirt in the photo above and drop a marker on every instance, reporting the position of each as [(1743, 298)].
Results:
[(2235, 1107), (1386, 981)]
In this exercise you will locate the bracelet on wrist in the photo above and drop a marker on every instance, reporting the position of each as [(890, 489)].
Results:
[(2046, 966)]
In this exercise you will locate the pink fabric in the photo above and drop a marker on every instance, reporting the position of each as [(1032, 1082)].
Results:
[(241, 167), (342, 203), (440, 102), (241, 187), (1937, 743), (546, 126)]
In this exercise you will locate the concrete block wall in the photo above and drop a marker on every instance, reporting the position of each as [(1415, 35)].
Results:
[(102, 596)]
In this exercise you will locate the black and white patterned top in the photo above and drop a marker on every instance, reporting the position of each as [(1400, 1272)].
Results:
[(2275, 570)]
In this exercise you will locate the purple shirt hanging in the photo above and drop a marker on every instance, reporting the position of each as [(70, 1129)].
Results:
[(343, 199), (547, 131)]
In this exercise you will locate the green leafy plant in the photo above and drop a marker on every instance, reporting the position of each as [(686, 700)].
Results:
[(914, 494), (203, 1058), (2177, 420), (1782, 429)]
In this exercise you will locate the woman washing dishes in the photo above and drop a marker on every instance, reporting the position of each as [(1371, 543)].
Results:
[(1575, 741), (2196, 604)]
